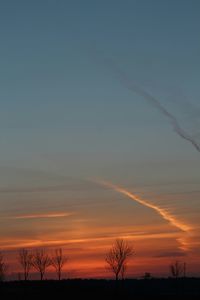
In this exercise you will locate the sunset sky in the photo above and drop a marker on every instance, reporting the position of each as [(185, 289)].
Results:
[(87, 155)]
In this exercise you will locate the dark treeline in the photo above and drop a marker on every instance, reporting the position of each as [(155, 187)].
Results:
[(177, 286), (39, 260), (165, 289)]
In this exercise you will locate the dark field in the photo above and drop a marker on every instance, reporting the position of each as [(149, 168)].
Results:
[(103, 289)]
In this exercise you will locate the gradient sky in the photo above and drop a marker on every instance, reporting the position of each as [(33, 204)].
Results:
[(67, 123)]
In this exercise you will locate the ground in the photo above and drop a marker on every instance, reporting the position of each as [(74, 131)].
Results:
[(186, 288)]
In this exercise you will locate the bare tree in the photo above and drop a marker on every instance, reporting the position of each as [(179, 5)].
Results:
[(177, 269), (25, 260), (123, 271), (58, 260), (117, 257), (3, 267), (41, 261)]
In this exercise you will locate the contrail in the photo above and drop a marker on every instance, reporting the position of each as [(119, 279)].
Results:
[(161, 211), (41, 216), (154, 101)]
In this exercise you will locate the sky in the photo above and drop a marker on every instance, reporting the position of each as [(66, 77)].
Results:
[(100, 131)]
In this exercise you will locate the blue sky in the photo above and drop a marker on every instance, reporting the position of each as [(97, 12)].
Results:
[(66, 115)]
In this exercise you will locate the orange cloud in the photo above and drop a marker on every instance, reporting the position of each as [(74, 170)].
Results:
[(42, 216), (163, 212)]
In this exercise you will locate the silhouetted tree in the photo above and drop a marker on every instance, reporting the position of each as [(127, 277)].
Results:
[(117, 257), (58, 260), (25, 260), (3, 267), (123, 271), (177, 269), (41, 261)]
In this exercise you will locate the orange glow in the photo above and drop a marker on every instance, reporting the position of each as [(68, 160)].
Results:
[(86, 237), (8, 244)]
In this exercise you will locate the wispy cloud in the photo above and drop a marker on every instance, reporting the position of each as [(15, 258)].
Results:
[(47, 241), (171, 254), (42, 216), (163, 212), (130, 85)]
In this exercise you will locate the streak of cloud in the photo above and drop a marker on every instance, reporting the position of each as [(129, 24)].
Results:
[(171, 254), (42, 216), (125, 80), (163, 212), (9, 244)]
